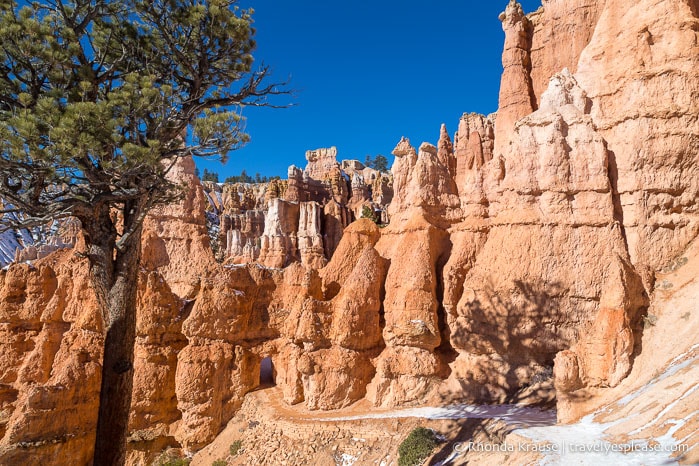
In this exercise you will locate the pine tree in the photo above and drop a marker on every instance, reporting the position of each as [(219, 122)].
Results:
[(210, 176), (380, 163), (368, 212), (98, 100)]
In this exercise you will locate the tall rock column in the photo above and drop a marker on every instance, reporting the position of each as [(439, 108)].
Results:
[(279, 242), (175, 238), (445, 150), (337, 376), (473, 149), (50, 353), (416, 243), (409, 369), (310, 239), (516, 92)]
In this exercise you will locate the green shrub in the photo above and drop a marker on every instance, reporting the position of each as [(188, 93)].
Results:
[(417, 446), (170, 458), (235, 447), (368, 212), (219, 463), (175, 462)]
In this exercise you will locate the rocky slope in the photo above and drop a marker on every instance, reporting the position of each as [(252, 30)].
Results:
[(536, 239)]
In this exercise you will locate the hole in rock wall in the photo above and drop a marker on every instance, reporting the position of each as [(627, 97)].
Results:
[(266, 371)]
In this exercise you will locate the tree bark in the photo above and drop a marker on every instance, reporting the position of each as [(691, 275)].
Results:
[(115, 277)]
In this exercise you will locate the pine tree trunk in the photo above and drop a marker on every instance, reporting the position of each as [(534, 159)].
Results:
[(117, 366), (115, 277)]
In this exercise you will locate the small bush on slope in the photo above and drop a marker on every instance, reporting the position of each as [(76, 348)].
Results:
[(416, 447)]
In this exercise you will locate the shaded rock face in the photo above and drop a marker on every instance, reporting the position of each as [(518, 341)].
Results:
[(529, 240), (551, 193)]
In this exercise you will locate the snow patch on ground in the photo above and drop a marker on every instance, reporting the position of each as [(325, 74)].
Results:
[(346, 459), (511, 414), (583, 443), (676, 365)]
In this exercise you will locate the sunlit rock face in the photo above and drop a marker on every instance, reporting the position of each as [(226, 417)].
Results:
[(299, 219), (536, 240)]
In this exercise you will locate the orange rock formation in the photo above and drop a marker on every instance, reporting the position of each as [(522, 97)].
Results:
[(532, 239)]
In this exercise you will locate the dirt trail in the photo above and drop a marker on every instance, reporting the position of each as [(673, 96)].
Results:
[(361, 424)]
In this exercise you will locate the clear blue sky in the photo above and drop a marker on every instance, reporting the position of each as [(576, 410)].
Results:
[(367, 73)]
